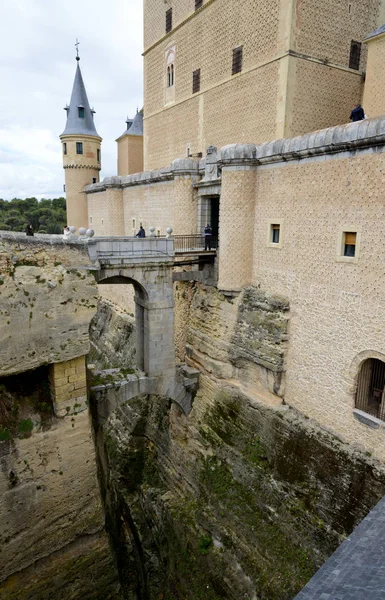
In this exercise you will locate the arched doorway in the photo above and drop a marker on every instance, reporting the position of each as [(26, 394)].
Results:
[(141, 298), (370, 395)]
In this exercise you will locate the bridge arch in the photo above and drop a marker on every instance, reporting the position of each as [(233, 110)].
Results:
[(141, 322)]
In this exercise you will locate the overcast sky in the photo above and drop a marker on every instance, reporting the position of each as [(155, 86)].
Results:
[(37, 69)]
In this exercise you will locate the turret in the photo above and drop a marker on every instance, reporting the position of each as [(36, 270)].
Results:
[(81, 152), (130, 146)]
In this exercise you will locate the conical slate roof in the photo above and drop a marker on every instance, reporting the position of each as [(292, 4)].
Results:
[(77, 124), (136, 127)]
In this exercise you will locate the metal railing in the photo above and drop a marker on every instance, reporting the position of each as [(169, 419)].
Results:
[(195, 243)]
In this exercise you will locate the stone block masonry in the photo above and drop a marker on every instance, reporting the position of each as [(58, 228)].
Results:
[(69, 386)]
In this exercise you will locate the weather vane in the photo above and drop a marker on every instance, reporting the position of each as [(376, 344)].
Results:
[(77, 49)]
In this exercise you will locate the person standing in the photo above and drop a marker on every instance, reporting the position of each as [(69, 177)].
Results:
[(29, 229), (357, 114), (208, 237), (141, 233)]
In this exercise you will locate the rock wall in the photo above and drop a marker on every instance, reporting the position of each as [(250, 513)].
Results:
[(245, 498), (52, 538), (47, 300), (112, 337)]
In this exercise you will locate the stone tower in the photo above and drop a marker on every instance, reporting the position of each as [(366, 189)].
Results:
[(81, 152), (130, 146)]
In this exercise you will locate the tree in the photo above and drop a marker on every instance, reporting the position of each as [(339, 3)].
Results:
[(48, 216)]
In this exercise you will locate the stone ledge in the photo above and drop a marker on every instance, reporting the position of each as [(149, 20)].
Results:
[(342, 138), (367, 419)]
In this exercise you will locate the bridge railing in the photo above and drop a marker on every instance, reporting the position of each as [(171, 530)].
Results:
[(195, 243)]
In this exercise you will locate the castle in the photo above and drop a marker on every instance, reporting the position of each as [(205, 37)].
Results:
[(299, 218)]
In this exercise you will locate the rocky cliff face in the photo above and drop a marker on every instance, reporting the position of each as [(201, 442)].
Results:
[(52, 538), (245, 498), (47, 300)]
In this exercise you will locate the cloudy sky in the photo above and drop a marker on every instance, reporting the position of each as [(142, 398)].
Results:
[(37, 69)]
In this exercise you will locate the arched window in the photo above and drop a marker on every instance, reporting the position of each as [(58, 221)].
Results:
[(170, 63), (370, 396)]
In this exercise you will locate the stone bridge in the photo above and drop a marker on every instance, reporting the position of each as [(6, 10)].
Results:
[(148, 265)]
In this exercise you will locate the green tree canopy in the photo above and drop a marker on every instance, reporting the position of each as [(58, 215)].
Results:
[(46, 216)]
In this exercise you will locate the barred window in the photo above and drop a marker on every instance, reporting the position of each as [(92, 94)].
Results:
[(237, 60), (168, 20), (196, 81), (198, 4), (355, 55)]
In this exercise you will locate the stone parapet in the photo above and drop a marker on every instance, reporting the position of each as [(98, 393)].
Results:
[(178, 168), (369, 133)]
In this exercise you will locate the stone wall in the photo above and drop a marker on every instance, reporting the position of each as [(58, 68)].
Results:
[(162, 199), (295, 74), (47, 300), (80, 170), (374, 103)]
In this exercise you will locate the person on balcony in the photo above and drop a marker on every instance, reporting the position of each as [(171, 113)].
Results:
[(208, 237), (141, 233), (357, 114)]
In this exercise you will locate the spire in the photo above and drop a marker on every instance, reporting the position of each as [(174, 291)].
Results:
[(80, 117), (135, 125)]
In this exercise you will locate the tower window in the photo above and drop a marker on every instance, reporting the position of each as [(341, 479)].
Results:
[(198, 4), (94, 180), (168, 20), (98, 155), (350, 242), (355, 55), (196, 81), (79, 147), (65, 148), (81, 112), (237, 60)]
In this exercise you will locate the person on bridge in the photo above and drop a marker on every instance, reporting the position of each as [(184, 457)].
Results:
[(141, 233), (208, 237)]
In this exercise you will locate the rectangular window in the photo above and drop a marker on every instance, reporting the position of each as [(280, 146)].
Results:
[(158, 232), (94, 180), (237, 60), (91, 220), (275, 233), (198, 4), (168, 20), (98, 154), (196, 81), (81, 112), (355, 55), (64, 148), (79, 147), (350, 242)]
